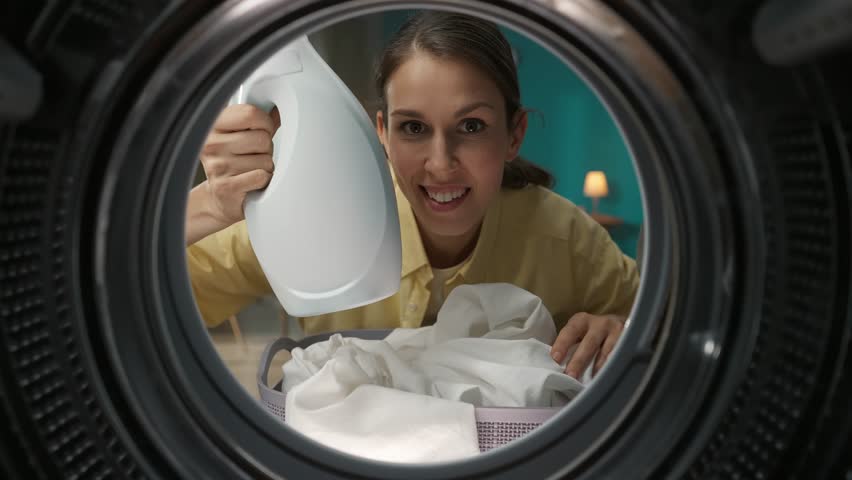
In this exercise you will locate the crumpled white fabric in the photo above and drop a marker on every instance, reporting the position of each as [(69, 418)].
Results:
[(411, 397)]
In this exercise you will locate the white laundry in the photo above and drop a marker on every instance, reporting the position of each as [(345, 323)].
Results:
[(411, 396)]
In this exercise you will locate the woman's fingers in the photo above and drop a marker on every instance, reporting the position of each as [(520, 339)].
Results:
[(255, 179), (241, 117), (276, 118), (608, 346), (238, 143), (257, 162), (239, 185), (571, 333), (585, 353), (229, 166), (237, 159), (594, 337), (230, 192)]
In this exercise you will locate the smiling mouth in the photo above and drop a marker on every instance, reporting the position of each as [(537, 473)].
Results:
[(444, 195), (444, 198)]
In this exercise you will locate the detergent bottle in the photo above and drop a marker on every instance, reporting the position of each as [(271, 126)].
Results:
[(326, 229)]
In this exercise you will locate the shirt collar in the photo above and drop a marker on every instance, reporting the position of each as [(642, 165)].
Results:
[(476, 270), (413, 254)]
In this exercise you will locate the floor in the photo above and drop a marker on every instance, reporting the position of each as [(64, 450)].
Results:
[(258, 326), (243, 360)]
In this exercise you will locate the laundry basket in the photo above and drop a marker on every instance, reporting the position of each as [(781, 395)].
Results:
[(496, 426)]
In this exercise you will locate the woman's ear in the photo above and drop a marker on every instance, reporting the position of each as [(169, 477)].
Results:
[(516, 135), (381, 130)]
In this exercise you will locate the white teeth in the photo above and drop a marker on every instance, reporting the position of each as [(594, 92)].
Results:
[(444, 197)]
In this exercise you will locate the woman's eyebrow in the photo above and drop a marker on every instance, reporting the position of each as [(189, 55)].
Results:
[(462, 111), (406, 113), (473, 106)]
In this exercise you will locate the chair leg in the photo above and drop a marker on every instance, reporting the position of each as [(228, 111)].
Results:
[(285, 325), (238, 334)]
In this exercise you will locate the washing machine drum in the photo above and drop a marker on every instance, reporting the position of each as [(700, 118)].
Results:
[(736, 364)]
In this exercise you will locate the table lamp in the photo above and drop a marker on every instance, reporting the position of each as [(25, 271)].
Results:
[(595, 187)]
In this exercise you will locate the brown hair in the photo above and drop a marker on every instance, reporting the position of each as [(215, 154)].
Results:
[(474, 41)]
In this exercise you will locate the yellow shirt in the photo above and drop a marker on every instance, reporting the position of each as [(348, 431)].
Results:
[(532, 238)]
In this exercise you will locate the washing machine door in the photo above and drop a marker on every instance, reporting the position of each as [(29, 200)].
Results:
[(736, 361)]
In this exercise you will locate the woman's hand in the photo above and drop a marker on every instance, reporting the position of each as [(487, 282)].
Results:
[(592, 335), (237, 159)]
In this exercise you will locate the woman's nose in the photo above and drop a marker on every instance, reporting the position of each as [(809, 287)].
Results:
[(441, 157)]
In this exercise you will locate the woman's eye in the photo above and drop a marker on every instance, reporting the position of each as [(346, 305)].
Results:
[(412, 128), (473, 126)]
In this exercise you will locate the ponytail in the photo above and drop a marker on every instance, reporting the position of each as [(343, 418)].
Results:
[(521, 172)]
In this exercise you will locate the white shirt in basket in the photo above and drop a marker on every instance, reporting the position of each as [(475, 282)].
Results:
[(411, 396)]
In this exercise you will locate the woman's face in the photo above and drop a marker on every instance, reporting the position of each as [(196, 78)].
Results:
[(447, 139)]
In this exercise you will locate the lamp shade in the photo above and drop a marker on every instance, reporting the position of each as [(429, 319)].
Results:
[(595, 185)]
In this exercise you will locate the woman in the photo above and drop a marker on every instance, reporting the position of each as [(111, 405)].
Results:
[(471, 210)]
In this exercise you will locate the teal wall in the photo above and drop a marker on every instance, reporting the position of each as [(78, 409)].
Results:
[(570, 132)]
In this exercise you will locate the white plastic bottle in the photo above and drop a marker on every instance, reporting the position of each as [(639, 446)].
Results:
[(326, 229)]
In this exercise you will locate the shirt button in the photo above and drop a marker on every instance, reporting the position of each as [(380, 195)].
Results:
[(412, 307)]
